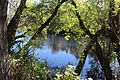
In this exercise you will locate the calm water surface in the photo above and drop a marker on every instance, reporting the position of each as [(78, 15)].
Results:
[(60, 52)]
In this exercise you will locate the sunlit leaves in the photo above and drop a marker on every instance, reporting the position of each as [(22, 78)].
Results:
[(67, 37), (36, 14), (29, 3), (68, 75)]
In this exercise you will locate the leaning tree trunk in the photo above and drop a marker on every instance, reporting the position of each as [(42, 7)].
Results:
[(4, 65), (104, 61)]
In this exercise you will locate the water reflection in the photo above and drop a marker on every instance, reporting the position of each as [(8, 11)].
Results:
[(58, 43), (58, 51)]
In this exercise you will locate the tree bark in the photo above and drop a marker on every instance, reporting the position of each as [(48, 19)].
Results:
[(4, 63)]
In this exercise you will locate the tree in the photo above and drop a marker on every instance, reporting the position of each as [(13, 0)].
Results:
[(104, 60), (6, 31), (4, 64)]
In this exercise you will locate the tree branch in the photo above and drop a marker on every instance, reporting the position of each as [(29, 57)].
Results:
[(81, 23), (12, 26), (46, 22)]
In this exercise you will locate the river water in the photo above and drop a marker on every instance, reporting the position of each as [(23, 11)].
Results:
[(59, 52)]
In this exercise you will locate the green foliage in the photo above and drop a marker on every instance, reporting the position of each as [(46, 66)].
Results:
[(35, 15), (25, 66), (68, 75), (67, 37)]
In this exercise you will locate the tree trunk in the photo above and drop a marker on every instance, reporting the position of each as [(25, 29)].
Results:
[(81, 64), (4, 65), (104, 61)]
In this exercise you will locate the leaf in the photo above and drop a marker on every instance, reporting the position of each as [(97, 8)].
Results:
[(67, 37)]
